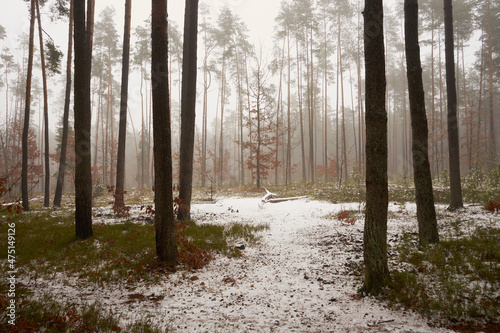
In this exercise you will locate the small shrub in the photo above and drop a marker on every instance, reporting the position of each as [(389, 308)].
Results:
[(345, 217), (493, 206), (187, 252), (99, 189)]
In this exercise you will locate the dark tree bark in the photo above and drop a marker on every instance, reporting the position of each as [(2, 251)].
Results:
[(188, 106), (83, 175), (46, 199), (67, 99), (451, 91), (426, 213), (122, 128), (375, 231), (27, 107), (166, 248)]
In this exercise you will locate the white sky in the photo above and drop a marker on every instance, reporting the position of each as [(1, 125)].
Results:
[(14, 17)]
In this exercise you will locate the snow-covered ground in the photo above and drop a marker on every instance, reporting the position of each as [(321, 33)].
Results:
[(295, 279)]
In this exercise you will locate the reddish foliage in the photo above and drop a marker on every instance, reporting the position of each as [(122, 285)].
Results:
[(23, 325), (11, 208), (11, 161), (119, 207), (331, 170), (345, 217), (178, 205), (492, 206), (148, 209), (187, 252)]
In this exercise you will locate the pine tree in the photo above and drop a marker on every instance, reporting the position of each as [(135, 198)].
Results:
[(188, 106), (64, 139), (453, 137), (83, 34), (122, 130), (375, 230), (166, 248), (27, 107), (426, 213)]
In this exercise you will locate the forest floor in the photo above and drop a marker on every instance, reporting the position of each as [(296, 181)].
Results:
[(301, 274)]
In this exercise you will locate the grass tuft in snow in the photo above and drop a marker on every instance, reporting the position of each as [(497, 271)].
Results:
[(48, 315), (143, 326), (246, 232), (454, 282)]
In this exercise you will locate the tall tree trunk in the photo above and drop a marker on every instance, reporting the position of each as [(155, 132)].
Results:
[(122, 128), (188, 106), (111, 127), (441, 112), (143, 173), (204, 128), (98, 123), (27, 109), (83, 175), (257, 153), (46, 198), (325, 115), (360, 107), (375, 230), (240, 120), (279, 109), (299, 96), (426, 213), (166, 248), (453, 141), (434, 136), (5, 144), (312, 162), (288, 178), (344, 141), (338, 166), (106, 153), (493, 151), (480, 99), (353, 118), (404, 132), (67, 99), (221, 140)]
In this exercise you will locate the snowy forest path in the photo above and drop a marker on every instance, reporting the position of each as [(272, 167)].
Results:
[(298, 278)]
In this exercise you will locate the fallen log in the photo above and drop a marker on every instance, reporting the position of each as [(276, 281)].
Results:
[(276, 200)]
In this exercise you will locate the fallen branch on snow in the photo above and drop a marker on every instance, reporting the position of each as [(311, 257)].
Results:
[(269, 195), (274, 198)]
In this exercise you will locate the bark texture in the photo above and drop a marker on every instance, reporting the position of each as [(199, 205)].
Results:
[(83, 175), (375, 231), (188, 106), (122, 127), (27, 110), (451, 92), (426, 213), (166, 248)]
